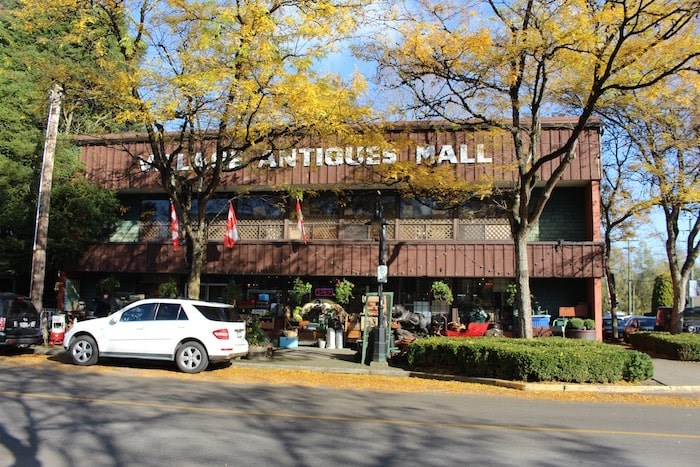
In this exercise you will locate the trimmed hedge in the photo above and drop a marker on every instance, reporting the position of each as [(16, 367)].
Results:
[(685, 346), (546, 359)]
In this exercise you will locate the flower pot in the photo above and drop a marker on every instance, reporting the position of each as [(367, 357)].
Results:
[(330, 338), (257, 352), (322, 343), (338, 339)]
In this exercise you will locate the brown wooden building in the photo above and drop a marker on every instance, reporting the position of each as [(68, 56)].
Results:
[(469, 247)]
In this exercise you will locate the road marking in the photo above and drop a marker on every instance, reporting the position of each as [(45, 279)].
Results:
[(342, 418)]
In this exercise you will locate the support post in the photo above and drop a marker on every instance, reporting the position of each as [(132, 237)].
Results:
[(379, 357)]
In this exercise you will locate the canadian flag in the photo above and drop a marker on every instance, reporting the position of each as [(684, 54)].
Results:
[(300, 222), (231, 236), (174, 227)]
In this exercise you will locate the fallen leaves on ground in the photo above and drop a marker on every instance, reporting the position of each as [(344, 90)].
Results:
[(234, 374)]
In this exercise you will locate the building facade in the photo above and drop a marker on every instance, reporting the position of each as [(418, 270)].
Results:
[(470, 247)]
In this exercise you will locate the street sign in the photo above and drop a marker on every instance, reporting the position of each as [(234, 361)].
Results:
[(382, 273)]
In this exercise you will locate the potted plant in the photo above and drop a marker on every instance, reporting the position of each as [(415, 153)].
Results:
[(258, 342), (343, 291), (168, 289), (441, 292), (297, 315), (109, 284), (511, 292), (579, 328), (300, 289), (232, 293)]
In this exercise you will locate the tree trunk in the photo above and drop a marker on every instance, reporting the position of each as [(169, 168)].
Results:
[(679, 297), (522, 281), (679, 275), (612, 286), (198, 249), (612, 292)]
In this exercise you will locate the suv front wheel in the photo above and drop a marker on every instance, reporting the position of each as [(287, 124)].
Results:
[(83, 350)]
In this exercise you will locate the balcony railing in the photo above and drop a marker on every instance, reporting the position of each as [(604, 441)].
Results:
[(333, 229)]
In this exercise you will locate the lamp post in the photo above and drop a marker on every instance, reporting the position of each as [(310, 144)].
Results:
[(379, 351)]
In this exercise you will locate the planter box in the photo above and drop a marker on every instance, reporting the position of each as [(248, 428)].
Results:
[(585, 334), (258, 352), (289, 342)]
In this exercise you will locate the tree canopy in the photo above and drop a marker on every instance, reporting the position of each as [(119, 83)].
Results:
[(509, 64), (81, 212), (662, 124), (230, 79)]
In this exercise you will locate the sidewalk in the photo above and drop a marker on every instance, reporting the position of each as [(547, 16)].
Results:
[(670, 376), (676, 373)]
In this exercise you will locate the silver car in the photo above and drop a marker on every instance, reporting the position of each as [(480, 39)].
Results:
[(191, 333)]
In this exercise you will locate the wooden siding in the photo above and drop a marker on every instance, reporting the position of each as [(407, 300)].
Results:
[(110, 160), (434, 259)]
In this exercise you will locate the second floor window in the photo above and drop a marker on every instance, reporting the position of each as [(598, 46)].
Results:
[(423, 209), (260, 208)]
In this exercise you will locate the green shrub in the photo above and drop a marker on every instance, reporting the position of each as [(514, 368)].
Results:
[(547, 359), (662, 294), (685, 346), (589, 323), (575, 323)]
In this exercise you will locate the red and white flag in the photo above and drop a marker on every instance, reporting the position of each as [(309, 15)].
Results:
[(231, 236), (300, 222), (174, 227)]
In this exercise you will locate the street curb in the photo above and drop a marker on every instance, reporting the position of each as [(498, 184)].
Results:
[(517, 385)]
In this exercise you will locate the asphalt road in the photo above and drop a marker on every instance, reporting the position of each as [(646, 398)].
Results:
[(62, 418)]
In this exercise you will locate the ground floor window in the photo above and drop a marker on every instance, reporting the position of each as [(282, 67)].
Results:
[(480, 299)]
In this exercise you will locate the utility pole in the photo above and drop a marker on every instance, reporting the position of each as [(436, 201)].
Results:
[(630, 288), (44, 200), (629, 281), (692, 286)]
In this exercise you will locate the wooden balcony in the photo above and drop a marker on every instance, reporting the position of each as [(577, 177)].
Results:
[(434, 248), (334, 229)]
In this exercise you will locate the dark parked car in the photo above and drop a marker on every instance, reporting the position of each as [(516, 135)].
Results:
[(663, 319), (638, 323), (20, 323), (691, 319), (607, 326)]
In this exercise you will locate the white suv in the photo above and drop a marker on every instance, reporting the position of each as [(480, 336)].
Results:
[(192, 333)]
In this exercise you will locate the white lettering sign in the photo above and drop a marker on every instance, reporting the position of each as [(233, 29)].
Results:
[(336, 156), (447, 154)]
